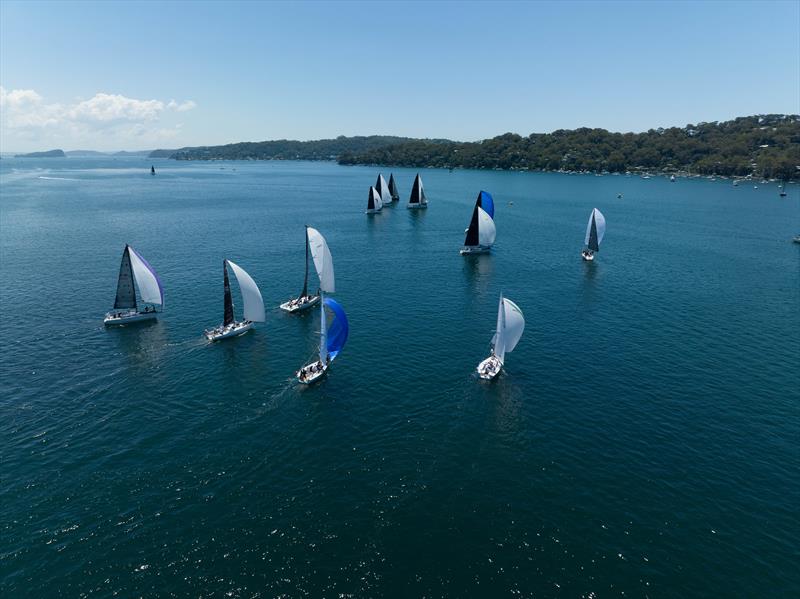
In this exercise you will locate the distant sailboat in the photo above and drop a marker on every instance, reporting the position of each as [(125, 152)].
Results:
[(393, 188), (417, 199), (331, 341), (251, 299), (383, 190), (594, 234), (134, 271), (323, 262), (672, 178), (782, 188), (481, 232), (510, 324), (152, 170), (374, 202)]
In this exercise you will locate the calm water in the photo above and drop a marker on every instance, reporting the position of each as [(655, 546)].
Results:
[(642, 442)]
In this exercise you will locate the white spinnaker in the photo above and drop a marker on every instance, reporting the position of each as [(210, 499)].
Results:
[(146, 280), (513, 326), (323, 261), (600, 223), (486, 229), (251, 296), (386, 196), (323, 333)]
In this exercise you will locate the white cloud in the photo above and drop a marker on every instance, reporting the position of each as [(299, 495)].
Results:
[(24, 115)]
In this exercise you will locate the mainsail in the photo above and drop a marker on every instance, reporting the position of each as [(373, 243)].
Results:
[(393, 188), (323, 261), (228, 298), (126, 292), (251, 296), (595, 230), (305, 278), (383, 190), (510, 324)]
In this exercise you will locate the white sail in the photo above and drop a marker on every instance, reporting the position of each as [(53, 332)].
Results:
[(323, 333), (510, 324), (146, 280), (323, 261), (251, 296), (377, 200), (600, 223), (386, 196), (498, 342), (486, 229)]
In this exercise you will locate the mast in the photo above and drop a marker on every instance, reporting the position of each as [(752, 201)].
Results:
[(228, 317), (593, 244), (305, 280), (126, 292)]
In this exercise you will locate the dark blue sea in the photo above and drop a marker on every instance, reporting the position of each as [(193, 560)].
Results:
[(643, 440)]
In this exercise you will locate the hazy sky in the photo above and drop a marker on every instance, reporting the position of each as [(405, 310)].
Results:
[(111, 75)]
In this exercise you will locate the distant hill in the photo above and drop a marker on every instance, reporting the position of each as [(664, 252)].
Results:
[(132, 153), (762, 146), (84, 153), (286, 149), (161, 153), (48, 154)]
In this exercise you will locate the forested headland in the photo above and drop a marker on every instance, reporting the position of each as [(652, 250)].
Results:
[(765, 146)]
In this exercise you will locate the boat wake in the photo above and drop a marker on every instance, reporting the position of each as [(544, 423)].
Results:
[(57, 178)]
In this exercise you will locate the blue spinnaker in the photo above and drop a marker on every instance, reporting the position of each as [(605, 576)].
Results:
[(487, 203), (338, 329)]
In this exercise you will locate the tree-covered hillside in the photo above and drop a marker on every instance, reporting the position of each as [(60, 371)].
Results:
[(763, 146), (286, 149)]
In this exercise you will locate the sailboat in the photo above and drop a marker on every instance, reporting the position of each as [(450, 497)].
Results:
[(672, 178), (481, 232), (417, 199), (383, 190), (251, 299), (393, 188), (594, 234), (323, 262), (134, 271), (331, 341), (152, 170), (374, 202), (782, 188), (510, 324)]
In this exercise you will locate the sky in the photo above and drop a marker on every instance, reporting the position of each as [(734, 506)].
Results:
[(143, 75)]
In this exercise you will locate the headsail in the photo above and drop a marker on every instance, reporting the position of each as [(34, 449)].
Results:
[(126, 292), (510, 324), (393, 188), (487, 232), (383, 190), (323, 261), (150, 289), (339, 328), (228, 298), (595, 230), (251, 296)]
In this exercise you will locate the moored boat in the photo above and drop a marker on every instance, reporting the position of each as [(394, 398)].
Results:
[(135, 271)]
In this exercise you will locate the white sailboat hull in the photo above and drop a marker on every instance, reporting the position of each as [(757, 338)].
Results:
[(489, 368), (587, 256), (475, 249), (231, 330), (121, 318), (300, 304), (311, 373)]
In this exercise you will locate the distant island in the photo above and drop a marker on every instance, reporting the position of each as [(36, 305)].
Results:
[(287, 149), (48, 154), (765, 146)]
